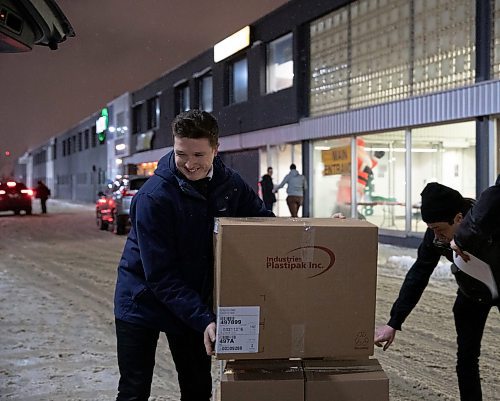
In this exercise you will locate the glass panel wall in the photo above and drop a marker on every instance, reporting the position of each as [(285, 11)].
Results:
[(444, 45), (370, 52), (331, 170), (329, 63), (496, 40), (380, 48), (382, 179), (280, 64)]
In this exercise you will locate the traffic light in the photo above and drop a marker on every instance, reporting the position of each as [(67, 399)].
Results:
[(7, 153)]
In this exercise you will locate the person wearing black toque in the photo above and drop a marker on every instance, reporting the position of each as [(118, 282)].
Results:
[(443, 210)]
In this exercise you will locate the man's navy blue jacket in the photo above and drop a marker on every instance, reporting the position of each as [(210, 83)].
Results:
[(165, 275)]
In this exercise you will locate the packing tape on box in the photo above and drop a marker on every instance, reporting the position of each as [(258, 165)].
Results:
[(308, 237), (297, 345)]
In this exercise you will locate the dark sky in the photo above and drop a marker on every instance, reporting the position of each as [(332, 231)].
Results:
[(120, 45)]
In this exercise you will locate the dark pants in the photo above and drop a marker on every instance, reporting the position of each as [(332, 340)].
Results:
[(470, 319), (294, 203), (269, 205), (43, 202), (136, 346)]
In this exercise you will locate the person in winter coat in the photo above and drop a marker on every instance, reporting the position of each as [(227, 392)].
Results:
[(267, 186), (296, 186), (42, 192), (165, 275), (443, 209)]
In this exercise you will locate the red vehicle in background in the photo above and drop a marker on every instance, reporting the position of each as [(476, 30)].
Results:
[(113, 205), (15, 196)]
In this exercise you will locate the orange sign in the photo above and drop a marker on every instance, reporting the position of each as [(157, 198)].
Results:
[(336, 160)]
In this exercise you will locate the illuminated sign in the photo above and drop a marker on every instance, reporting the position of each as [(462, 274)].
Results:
[(101, 125), (232, 44)]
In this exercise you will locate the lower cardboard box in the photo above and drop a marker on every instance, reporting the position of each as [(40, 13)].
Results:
[(273, 380), (329, 380), (304, 380)]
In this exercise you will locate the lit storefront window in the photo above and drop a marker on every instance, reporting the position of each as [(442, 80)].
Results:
[(446, 154), (279, 157), (331, 177), (146, 168), (381, 179)]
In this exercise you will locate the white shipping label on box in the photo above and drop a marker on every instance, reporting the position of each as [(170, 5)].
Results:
[(237, 329)]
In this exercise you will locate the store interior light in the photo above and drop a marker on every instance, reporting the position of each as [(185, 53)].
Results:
[(402, 150), (120, 146), (119, 161)]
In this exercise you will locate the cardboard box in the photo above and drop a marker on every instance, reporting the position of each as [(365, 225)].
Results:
[(295, 288), (262, 380), (345, 380)]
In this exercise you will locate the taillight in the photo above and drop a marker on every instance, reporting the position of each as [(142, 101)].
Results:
[(124, 192), (2, 192), (11, 184), (101, 200), (28, 192)]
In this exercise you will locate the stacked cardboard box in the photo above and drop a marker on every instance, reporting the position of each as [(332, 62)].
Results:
[(294, 288), (325, 380)]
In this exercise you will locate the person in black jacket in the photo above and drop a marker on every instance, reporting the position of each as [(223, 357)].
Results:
[(165, 275), (267, 186), (443, 209), (42, 192)]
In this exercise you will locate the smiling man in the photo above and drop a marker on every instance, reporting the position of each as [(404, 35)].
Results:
[(165, 275), (443, 209)]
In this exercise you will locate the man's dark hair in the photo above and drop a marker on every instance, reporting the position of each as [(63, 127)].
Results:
[(196, 124), (269, 168), (293, 167)]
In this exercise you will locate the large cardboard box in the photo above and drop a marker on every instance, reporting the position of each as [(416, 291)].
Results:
[(345, 380), (295, 288), (262, 380)]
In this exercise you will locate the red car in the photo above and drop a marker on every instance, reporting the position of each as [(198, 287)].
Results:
[(113, 206), (15, 196)]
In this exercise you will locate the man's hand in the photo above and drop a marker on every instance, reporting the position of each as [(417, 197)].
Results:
[(338, 216), (209, 338), (384, 334), (458, 251)]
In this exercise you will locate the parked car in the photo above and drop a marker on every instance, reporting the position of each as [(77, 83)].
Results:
[(15, 196), (113, 205)]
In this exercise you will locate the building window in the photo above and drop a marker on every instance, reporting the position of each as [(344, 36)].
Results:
[(136, 116), (182, 101), (86, 139), (153, 110), (121, 125), (279, 71), (94, 136), (205, 92), (238, 81), (54, 149), (80, 143)]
